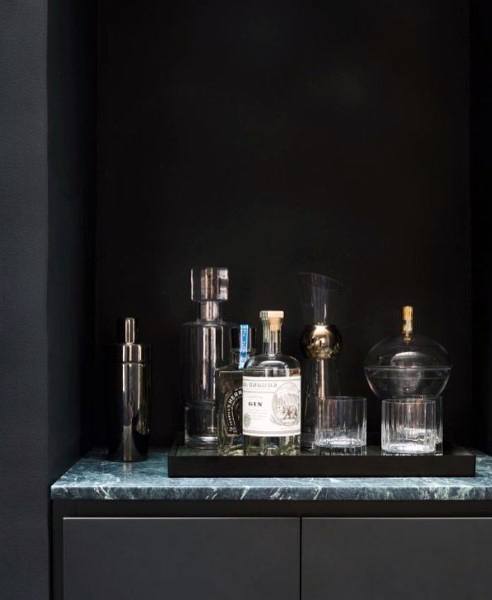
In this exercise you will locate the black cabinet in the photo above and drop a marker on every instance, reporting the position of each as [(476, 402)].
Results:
[(275, 558), (404, 559), (186, 558)]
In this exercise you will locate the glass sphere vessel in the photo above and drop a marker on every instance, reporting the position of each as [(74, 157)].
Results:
[(407, 365)]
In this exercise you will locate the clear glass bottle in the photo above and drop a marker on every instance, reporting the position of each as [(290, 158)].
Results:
[(230, 392), (205, 346), (272, 395)]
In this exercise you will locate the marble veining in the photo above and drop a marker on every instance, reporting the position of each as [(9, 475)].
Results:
[(94, 478)]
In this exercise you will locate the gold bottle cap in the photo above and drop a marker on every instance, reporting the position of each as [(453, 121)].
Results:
[(274, 317), (407, 314)]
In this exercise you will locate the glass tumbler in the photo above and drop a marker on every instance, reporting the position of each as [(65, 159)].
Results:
[(341, 422), (410, 425), (439, 424)]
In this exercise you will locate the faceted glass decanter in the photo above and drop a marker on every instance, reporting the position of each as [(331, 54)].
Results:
[(205, 346), (272, 395), (230, 392)]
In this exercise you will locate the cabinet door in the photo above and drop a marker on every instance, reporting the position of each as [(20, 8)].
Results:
[(185, 558), (396, 559)]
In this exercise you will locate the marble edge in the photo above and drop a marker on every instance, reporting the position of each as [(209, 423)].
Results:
[(273, 494), (93, 478)]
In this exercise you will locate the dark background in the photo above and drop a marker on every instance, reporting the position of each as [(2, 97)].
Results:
[(265, 137), (481, 194), (276, 137)]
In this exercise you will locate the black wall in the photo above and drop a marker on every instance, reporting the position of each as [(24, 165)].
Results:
[(72, 145), (271, 138), (47, 181), (24, 556), (481, 193)]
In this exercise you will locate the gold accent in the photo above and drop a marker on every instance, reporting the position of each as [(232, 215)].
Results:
[(321, 342), (407, 313)]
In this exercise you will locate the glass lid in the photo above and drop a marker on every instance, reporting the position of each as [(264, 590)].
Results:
[(408, 350), (419, 352)]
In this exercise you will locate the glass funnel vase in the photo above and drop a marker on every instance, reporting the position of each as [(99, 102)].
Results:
[(321, 344)]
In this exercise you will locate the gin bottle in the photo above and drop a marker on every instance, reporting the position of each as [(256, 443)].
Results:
[(272, 395), (205, 346), (229, 383)]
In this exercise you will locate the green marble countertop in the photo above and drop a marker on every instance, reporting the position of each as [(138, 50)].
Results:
[(94, 478)]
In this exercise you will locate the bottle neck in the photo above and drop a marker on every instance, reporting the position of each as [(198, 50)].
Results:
[(239, 360), (272, 340), (210, 310)]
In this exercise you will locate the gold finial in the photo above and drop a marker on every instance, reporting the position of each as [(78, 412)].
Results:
[(407, 313)]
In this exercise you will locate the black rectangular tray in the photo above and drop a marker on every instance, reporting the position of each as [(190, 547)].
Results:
[(454, 462)]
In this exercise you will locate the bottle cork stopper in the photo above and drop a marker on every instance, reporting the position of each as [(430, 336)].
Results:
[(274, 317)]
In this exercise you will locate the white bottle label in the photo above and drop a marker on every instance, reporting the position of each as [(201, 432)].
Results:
[(272, 406)]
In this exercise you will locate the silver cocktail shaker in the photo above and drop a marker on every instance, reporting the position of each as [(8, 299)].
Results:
[(129, 397)]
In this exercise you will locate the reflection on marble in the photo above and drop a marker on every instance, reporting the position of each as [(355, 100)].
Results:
[(94, 478)]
